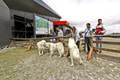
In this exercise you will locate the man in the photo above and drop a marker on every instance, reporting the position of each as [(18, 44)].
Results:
[(60, 34), (76, 36), (88, 35), (100, 30)]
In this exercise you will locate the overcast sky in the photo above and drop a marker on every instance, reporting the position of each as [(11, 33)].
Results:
[(80, 12)]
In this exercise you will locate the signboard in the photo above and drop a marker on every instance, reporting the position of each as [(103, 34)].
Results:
[(41, 25)]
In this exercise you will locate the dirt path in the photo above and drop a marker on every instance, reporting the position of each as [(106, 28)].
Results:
[(21, 65)]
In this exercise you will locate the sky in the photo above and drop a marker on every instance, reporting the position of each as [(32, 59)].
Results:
[(80, 12)]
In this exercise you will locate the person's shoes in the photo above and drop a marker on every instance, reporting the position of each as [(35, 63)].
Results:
[(87, 52), (96, 50)]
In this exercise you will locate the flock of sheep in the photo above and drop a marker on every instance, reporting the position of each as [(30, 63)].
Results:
[(53, 47)]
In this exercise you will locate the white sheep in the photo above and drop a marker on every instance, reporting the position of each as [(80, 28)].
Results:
[(74, 51), (53, 47), (41, 46)]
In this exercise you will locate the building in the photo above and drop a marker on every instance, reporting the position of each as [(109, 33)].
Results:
[(24, 19)]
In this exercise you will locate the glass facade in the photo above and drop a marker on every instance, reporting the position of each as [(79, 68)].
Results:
[(29, 25), (22, 24)]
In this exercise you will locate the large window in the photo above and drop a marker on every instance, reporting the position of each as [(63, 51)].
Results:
[(22, 24)]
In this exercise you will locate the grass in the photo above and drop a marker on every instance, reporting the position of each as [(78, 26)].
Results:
[(9, 60)]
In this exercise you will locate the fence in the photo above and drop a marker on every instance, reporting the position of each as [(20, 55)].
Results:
[(93, 48), (32, 42)]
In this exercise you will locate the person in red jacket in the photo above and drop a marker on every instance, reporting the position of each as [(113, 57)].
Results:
[(100, 30)]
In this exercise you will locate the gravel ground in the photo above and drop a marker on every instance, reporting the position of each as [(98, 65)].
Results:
[(16, 64)]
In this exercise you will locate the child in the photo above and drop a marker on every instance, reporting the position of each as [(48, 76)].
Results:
[(53, 34)]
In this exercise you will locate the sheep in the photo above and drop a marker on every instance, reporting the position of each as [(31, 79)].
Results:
[(60, 48), (41, 47), (56, 47), (74, 51)]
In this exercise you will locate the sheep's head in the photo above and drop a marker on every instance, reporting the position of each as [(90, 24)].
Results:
[(71, 40), (43, 42), (47, 45)]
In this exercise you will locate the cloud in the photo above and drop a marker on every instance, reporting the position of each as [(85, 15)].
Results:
[(79, 12)]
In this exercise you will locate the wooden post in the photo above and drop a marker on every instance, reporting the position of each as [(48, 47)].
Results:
[(90, 54), (91, 50), (30, 45), (81, 47), (84, 46), (12, 43)]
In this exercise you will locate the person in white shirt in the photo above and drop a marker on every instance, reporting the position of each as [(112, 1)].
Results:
[(60, 34), (76, 36)]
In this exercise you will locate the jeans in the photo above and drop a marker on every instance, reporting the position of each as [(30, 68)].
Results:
[(78, 44), (52, 40), (88, 43), (99, 45)]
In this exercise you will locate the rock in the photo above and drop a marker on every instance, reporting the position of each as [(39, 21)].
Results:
[(111, 64)]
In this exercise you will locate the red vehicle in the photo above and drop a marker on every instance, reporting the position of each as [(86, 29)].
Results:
[(64, 25)]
